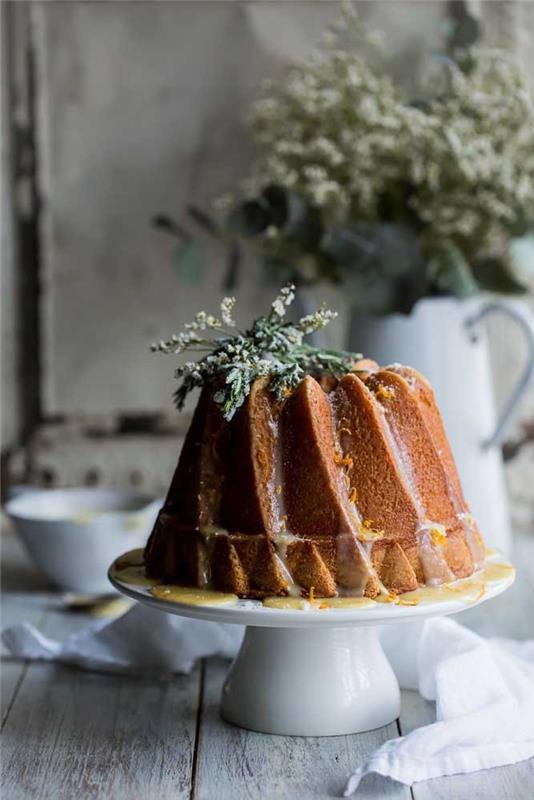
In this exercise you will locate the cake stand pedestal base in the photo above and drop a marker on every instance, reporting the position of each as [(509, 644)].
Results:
[(311, 682), (318, 672)]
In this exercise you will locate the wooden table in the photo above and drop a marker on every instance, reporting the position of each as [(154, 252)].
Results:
[(69, 734)]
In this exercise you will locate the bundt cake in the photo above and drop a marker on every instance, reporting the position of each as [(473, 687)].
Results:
[(342, 484)]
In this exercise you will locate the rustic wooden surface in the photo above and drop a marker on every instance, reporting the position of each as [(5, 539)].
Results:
[(72, 734)]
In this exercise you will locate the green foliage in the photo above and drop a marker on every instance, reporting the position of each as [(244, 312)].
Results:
[(234, 359), (250, 218), (449, 273), (392, 197), (357, 184), (233, 267), (189, 260), (463, 30), (189, 256), (496, 275)]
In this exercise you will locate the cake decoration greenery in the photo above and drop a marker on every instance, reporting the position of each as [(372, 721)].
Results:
[(233, 359), (395, 197)]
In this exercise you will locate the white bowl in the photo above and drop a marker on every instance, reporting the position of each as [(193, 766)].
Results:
[(73, 535)]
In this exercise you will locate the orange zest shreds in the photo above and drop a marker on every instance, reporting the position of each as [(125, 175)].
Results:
[(481, 593), (287, 391), (343, 461), (347, 462), (391, 598), (345, 430), (413, 602), (278, 490), (384, 393), (370, 535), (311, 596), (353, 494), (439, 537)]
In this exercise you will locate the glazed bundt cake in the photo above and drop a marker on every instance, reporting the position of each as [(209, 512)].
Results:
[(341, 484)]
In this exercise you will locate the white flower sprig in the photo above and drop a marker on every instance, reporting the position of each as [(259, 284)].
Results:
[(235, 359), (337, 130)]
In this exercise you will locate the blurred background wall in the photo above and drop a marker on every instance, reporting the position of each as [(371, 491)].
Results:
[(113, 112)]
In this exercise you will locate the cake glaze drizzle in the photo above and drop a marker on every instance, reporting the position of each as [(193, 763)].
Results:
[(353, 569)]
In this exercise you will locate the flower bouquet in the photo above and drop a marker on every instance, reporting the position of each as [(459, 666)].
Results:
[(394, 197)]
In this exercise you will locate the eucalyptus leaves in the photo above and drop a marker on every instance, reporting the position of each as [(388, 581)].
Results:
[(234, 359)]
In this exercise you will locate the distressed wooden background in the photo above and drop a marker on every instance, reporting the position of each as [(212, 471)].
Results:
[(113, 112)]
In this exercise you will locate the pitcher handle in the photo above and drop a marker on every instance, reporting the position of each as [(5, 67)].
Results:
[(524, 318)]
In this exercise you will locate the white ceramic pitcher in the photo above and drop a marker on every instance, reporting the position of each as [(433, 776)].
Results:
[(444, 338)]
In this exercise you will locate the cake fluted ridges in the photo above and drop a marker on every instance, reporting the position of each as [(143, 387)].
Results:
[(344, 486)]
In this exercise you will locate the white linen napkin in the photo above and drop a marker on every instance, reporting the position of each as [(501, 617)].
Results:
[(484, 689), (484, 693), (142, 641)]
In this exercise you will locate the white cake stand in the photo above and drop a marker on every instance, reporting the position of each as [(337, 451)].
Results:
[(311, 672)]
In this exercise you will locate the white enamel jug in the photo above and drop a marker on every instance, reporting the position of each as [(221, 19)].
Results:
[(445, 339)]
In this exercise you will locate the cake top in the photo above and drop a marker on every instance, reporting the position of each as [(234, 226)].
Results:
[(233, 359)]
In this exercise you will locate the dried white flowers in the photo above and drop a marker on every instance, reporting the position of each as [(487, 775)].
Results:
[(235, 359), (457, 167)]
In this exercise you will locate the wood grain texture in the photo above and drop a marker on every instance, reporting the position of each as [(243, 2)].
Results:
[(235, 764), (77, 734), (23, 600), (16, 608)]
